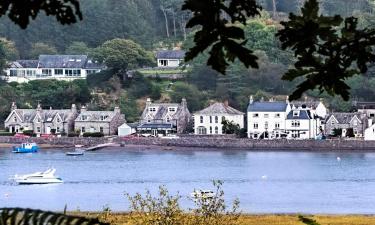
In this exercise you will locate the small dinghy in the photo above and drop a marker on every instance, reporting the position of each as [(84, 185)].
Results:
[(205, 194), (26, 148), (77, 151), (46, 177)]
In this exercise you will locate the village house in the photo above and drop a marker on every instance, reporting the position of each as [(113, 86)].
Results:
[(170, 58), (209, 120), (302, 123), (267, 119), (315, 107), (41, 121), (357, 122), (164, 118), (106, 122), (61, 67)]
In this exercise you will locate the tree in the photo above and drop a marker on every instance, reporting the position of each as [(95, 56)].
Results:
[(39, 48), (229, 127), (194, 97), (10, 50), (123, 55), (78, 48)]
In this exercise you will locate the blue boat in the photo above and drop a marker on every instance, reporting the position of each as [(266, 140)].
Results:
[(26, 148)]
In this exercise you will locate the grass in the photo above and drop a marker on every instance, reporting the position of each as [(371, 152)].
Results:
[(123, 218)]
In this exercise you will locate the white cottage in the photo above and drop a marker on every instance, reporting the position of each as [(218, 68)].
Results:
[(209, 120), (267, 119), (170, 58)]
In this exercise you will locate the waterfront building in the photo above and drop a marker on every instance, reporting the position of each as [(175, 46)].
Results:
[(41, 121), (209, 120), (170, 58), (106, 122), (346, 122), (302, 123), (61, 67), (315, 107), (125, 130), (164, 118), (267, 120)]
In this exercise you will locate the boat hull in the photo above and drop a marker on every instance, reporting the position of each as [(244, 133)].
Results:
[(25, 150), (39, 181)]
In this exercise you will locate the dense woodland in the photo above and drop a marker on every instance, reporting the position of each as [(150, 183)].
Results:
[(112, 28)]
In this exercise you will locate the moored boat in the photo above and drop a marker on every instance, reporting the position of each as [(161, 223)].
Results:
[(26, 148), (76, 152), (205, 194), (46, 177)]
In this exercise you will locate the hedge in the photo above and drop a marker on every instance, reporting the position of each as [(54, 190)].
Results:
[(7, 134), (93, 134)]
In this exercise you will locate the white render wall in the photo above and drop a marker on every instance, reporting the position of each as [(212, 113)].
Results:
[(170, 63), (308, 129), (211, 123), (264, 118)]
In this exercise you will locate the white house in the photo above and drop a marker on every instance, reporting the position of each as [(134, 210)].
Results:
[(302, 123), (266, 119), (316, 107), (369, 134), (61, 67), (209, 120), (170, 58)]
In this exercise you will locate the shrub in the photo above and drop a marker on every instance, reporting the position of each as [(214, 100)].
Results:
[(93, 134), (73, 134), (6, 134), (28, 132)]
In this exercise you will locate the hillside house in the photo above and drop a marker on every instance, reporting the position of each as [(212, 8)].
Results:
[(62, 67), (170, 58), (41, 121), (209, 120), (164, 118), (106, 122)]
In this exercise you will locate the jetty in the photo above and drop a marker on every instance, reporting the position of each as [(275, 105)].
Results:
[(101, 146)]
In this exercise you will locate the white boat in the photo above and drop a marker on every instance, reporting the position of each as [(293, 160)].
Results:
[(46, 177), (170, 136), (76, 152), (202, 194)]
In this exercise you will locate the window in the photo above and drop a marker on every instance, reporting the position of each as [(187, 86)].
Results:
[(266, 115), (59, 72), (47, 72), (216, 130), (168, 120), (38, 129), (15, 119), (101, 129), (355, 123), (152, 109), (103, 117), (295, 123), (30, 73), (84, 117), (255, 115), (266, 125), (210, 119), (277, 115), (83, 129), (210, 130), (372, 115), (148, 121), (38, 120), (201, 119), (163, 62), (355, 131), (172, 109), (295, 113), (255, 125), (216, 119), (74, 73), (277, 125), (58, 129), (13, 73), (332, 122), (58, 120)]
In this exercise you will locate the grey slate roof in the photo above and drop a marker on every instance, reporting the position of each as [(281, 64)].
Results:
[(155, 126), (170, 54), (62, 61), (28, 115), (219, 108), (267, 107), (303, 115), (344, 118), (364, 105), (308, 104), (162, 110), (28, 63), (96, 116)]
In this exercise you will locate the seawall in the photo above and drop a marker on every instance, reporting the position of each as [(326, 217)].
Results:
[(225, 142)]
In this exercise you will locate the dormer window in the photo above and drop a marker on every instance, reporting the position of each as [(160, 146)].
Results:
[(277, 115), (152, 109), (332, 122), (168, 120), (103, 117), (172, 109), (266, 115), (15, 119), (58, 120), (295, 113), (84, 117)]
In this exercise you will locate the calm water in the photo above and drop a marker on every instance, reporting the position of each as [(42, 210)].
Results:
[(265, 182)]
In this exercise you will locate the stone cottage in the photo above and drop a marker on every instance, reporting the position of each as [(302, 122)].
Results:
[(164, 118), (345, 121), (106, 122), (41, 121)]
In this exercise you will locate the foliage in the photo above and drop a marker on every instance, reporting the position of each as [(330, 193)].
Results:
[(307, 221), (123, 55), (13, 216), (39, 48), (195, 99), (350, 133), (242, 133), (129, 107), (10, 50), (73, 134), (165, 209), (326, 55), (93, 134), (337, 132), (78, 48), (229, 127), (66, 12), (6, 134), (224, 36), (28, 132)]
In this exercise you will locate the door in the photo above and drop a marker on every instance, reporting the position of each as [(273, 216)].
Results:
[(48, 130)]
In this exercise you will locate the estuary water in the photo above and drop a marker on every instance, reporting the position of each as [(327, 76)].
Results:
[(264, 182)]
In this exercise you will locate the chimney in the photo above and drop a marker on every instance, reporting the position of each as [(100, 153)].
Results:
[(50, 108), (148, 102), (251, 99), (74, 108), (287, 99), (83, 109), (117, 110), (14, 106), (226, 103), (262, 99), (39, 107), (184, 102)]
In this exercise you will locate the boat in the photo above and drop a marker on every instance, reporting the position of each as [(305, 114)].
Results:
[(76, 152), (203, 194), (46, 177), (26, 148)]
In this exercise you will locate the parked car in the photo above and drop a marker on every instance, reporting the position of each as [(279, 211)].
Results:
[(21, 135), (47, 135)]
